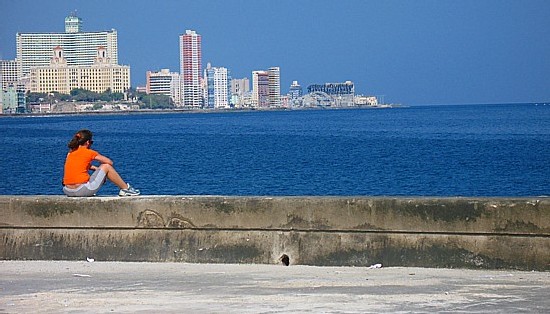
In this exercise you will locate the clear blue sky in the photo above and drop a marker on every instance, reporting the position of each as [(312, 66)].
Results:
[(413, 52)]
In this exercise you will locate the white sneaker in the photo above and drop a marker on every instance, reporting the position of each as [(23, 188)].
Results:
[(130, 191)]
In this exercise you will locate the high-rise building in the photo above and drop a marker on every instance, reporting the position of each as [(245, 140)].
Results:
[(240, 86), (12, 93), (190, 69), (218, 87), (164, 82), (8, 72), (274, 87), (260, 89), (295, 90), (266, 88), (240, 90), (80, 48), (61, 77)]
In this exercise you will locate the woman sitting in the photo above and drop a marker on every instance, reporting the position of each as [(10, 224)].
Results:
[(77, 181)]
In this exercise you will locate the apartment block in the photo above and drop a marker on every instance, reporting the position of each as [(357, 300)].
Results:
[(218, 88), (266, 88), (8, 72), (274, 87), (164, 82)]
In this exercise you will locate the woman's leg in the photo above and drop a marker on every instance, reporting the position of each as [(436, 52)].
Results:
[(113, 176)]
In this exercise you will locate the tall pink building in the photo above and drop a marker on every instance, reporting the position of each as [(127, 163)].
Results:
[(190, 69)]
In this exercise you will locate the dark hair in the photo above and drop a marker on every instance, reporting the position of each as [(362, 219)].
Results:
[(80, 138)]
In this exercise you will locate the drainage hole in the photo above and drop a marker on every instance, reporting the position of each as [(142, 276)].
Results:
[(285, 259)]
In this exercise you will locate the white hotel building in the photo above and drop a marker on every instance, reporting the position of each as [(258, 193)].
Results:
[(79, 48)]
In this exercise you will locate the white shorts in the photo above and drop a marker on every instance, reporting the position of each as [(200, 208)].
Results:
[(90, 188)]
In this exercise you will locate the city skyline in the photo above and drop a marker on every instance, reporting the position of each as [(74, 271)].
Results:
[(408, 52)]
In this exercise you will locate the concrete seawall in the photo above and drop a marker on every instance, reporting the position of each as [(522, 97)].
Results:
[(489, 233)]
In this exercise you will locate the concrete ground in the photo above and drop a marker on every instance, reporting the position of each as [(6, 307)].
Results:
[(116, 287)]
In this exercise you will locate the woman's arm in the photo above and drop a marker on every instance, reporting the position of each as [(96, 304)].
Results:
[(104, 160)]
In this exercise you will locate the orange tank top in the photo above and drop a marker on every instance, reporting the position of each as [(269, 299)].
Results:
[(77, 165)]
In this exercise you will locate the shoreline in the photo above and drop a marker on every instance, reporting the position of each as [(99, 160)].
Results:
[(233, 110), (189, 111)]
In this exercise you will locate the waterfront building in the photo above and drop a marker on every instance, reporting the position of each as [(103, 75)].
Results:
[(8, 72), (218, 87), (9, 100), (80, 48), (361, 100), (266, 88), (8, 76), (295, 91), (13, 99), (333, 94), (247, 101), (239, 88), (274, 87), (285, 101), (61, 77), (190, 69), (141, 89), (164, 82), (208, 87), (260, 89)]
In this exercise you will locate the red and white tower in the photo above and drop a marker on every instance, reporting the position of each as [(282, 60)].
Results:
[(190, 69)]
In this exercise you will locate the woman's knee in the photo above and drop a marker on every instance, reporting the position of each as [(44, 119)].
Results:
[(106, 167)]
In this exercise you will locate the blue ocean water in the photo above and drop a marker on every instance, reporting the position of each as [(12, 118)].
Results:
[(458, 150)]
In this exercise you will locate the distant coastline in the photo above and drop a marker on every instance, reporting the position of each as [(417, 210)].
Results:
[(189, 111), (233, 110)]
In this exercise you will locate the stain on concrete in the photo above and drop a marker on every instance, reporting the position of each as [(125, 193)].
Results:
[(223, 206), (178, 221), (48, 209), (451, 211), (442, 256), (200, 249), (150, 219), (514, 226), (237, 253), (345, 258), (433, 256), (298, 222), (367, 226)]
